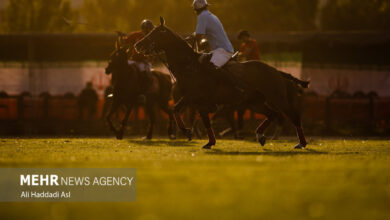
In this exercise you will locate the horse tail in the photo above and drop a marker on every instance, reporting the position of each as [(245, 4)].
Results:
[(302, 83)]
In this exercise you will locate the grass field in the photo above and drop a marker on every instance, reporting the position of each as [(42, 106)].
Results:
[(332, 179)]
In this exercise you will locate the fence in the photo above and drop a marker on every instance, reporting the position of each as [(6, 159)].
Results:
[(320, 114)]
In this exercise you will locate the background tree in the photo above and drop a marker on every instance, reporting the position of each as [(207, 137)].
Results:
[(265, 15), (37, 16), (126, 15), (347, 15), (256, 15), (105, 16)]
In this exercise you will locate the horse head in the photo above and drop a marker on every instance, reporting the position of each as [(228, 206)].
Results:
[(161, 38), (119, 56)]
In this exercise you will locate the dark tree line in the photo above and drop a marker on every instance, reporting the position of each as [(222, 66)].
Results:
[(357, 15), (36, 16), (254, 15)]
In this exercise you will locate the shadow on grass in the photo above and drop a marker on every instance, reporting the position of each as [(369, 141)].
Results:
[(268, 152), (277, 153), (169, 143)]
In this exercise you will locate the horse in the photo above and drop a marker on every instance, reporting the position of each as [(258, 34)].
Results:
[(277, 92), (129, 85), (225, 112)]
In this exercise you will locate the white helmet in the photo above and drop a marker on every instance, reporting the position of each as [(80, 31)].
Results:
[(199, 4)]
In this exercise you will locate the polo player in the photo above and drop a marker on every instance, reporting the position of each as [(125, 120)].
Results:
[(138, 60), (210, 27)]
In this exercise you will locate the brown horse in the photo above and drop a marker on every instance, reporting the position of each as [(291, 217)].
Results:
[(277, 92), (129, 85), (227, 112)]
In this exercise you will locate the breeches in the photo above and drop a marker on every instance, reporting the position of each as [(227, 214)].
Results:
[(220, 57)]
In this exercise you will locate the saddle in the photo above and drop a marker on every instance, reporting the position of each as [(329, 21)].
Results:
[(206, 57), (223, 73)]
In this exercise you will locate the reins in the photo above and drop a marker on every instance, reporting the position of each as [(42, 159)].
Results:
[(166, 64)]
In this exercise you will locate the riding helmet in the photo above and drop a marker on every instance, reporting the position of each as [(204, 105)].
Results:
[(199, 4), (147, 26)]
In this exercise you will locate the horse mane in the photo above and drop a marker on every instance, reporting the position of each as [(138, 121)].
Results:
[(182, 42)]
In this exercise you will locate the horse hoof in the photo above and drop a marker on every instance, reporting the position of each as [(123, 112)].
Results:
[(172, 137), (208, 146), (188, 133), (300, 146), (261, 139), (119, 135)]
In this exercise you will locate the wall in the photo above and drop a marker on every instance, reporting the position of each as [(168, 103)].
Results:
[(325, 80), (55, 79)]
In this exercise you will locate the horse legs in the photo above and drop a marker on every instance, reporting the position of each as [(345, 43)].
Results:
[(229, 117), (295, 118), (240, 118), (119, 135), (113, 109), (179, 121), (152, 116), (210, 133), (171, 127), (227, 113), (194, 122), (264, 125), (302, 140), (260, 131)]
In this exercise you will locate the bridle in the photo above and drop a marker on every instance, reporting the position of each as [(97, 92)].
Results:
[(166, 64), (152, 51)]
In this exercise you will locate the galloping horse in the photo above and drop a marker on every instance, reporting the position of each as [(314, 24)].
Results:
[(277, 92), (227, 112), (129, 84)]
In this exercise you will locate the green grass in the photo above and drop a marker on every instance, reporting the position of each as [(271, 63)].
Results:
[(332, 179)]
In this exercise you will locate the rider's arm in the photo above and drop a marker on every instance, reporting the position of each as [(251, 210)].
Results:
[(200, 31), (246, 52), (199, 37), (131, 39)]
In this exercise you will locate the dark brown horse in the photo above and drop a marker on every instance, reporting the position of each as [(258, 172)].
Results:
[(227, 112), (265, 86), (129, 85)]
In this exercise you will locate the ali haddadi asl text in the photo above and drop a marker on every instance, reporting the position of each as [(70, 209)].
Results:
[(43, 194)]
